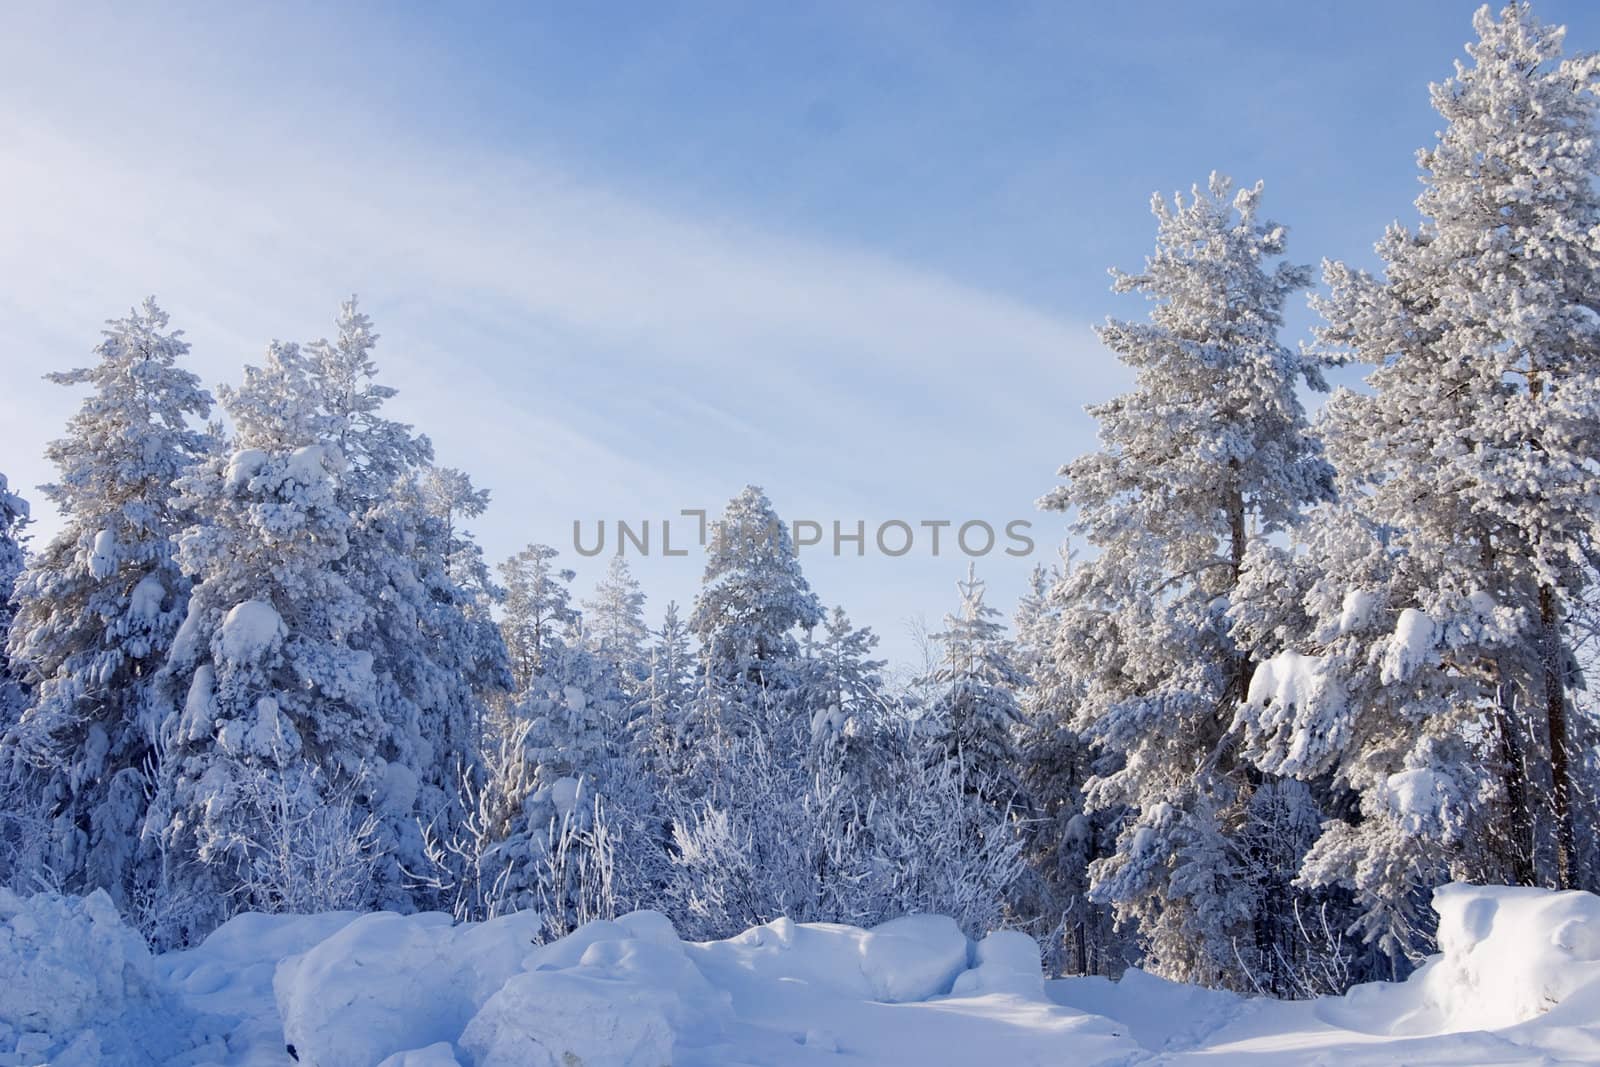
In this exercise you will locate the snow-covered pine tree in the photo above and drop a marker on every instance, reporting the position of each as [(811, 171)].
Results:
[(432, 663), (21, 854), (578, 715), (976, 714), (662, 732), (392, 670), (847, 700), (1208, 452), (480, 655), (752, 601), (263, 690), (537, 609), (13, 520), (613, 621), (846, 682), (1055, 761), (1442, 587), (97, 608)]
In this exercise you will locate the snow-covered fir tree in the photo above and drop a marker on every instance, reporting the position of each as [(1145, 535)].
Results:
[(1055, 761), (263, 687), (97, 608), (976, 714), (848, 695), (662, 730), (1208, 452), (846, 682), (558, 854), (845, 759), (1435, 601), (537, 609), (328, 650), (13, 557), (613, 622), (481, 658), (753, 603), (578, 714), (434, 660)]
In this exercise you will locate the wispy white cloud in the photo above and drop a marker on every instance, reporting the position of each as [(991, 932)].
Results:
[(581, 350)]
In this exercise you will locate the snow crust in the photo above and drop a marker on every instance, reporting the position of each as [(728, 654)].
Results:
[(1410, 646), (103, 557), (144, 602), (1517, 982), (249, 629)]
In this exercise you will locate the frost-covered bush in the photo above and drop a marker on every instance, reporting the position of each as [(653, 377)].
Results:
[(773, 844), (304, 849)]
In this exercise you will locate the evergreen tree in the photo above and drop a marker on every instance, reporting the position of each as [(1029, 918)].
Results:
[(264, 685), (356, 663), (578, 713), (13, 520), (1444, 584), (976, 714), (1207, 452), (664, 730), (1064, 838), (614, 623), (479, 654), (434, 659), (752, 601), (847, 684), (537, 609), (98, 607)]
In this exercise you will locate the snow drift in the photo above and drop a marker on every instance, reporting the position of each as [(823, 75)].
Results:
[(1517, 981)]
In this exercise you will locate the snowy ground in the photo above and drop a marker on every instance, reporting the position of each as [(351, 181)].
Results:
[(1518, 982)]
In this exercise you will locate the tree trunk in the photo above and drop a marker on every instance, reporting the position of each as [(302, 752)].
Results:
[(1520, 831), (1513, 760), (1555, 689), (1236, 545)]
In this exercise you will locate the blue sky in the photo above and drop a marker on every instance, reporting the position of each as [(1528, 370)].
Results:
[(627, 258)]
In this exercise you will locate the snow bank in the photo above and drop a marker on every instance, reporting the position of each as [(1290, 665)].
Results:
[(1156, 1013), (395, 990), (78, 987), (1508, 955), (1512, 959), (907, 959), (388, 983), (1517, 982)]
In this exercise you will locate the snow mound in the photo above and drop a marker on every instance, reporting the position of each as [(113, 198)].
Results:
[(1511, 954), (1517, 982), (907, 959), (77, 986), (386, 983), (1157, 1013), (1006, 961)]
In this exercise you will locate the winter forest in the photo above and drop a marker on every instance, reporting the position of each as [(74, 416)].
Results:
[(1307, 656)]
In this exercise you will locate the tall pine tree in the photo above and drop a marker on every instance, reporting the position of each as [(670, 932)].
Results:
[(1207, 452), (98, 607), (1443, 585)]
